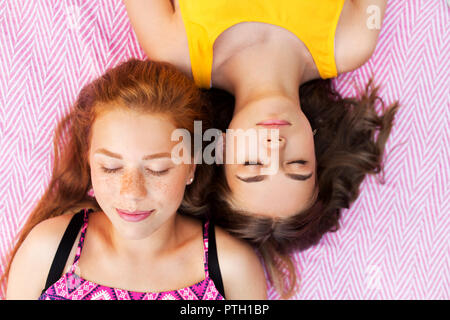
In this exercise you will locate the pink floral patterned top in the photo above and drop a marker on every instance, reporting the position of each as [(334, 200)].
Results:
[(72, 287)]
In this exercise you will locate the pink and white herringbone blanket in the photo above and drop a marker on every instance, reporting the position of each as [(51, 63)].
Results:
[(394, 241)]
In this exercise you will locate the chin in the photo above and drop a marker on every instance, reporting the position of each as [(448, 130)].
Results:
[(130, 230), (134, 232)]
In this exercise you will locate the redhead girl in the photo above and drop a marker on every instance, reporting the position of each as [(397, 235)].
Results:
[(127, 238), (277, 58)]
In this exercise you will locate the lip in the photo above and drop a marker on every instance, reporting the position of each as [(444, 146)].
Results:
[(273, 123), (134, 216)]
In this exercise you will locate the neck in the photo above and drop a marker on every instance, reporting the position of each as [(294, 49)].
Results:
[(257, 74)]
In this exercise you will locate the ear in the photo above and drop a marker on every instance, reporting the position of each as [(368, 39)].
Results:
[(191, 175)]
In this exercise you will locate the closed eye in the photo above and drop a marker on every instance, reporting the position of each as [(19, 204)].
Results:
[(157, 173), (247, 163), (259, 178), (298, 162), (108, 170)]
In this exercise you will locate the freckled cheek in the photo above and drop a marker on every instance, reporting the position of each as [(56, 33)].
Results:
[(167, 190), (105, 186), (163, 192)]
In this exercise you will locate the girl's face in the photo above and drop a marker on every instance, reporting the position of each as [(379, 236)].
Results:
[(280, 185), (135, 182)]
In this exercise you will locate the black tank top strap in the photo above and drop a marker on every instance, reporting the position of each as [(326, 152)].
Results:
[(212, 265), (64, 248)]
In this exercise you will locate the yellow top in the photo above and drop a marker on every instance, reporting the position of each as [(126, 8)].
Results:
[(313, 21)]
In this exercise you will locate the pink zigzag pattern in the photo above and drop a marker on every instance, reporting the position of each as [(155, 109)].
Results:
[(394, 240)]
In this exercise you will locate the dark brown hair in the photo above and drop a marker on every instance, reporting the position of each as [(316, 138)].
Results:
[(146, 86), (346, 148)]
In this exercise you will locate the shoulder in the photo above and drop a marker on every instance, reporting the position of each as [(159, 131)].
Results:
[(32, 261), (242, 272), (160, 31), (357, 33)]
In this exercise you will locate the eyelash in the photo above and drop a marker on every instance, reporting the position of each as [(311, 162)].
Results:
[(155, 173), (247, 163), (107, 170), (298, 161)]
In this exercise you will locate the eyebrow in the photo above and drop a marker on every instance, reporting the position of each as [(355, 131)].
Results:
[(147, 157), (298, 177)]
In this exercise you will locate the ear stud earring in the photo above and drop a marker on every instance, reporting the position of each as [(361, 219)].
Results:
[(91, 193)]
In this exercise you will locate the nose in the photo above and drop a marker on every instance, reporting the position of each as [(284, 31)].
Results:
[(273, 154), (272, 144), (133, 185)]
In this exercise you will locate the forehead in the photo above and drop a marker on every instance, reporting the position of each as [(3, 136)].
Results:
[(124, 129)]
